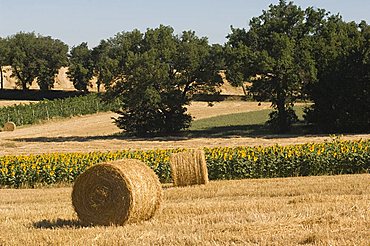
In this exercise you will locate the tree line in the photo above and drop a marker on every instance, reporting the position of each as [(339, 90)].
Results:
[(288, 53)]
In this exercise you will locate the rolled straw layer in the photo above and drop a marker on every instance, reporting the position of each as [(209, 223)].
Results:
[(189, 168), (9, 126), (117, 192)]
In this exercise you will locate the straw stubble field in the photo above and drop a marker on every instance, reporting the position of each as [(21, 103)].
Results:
[(327, 210)]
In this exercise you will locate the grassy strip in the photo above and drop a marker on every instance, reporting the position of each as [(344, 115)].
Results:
[(241, 124), (335, 157), (258, 117), (59, 108)]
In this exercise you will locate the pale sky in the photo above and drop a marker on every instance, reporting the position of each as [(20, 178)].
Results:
[(76, 21)]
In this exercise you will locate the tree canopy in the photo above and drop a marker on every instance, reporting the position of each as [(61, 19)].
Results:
[(4, 59), (80, 69), (33, 57), (287, 53), (275, 55), (157, 73), (341, 94)]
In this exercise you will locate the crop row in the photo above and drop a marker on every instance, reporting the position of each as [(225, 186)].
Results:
[(59, 108), (329, 158)]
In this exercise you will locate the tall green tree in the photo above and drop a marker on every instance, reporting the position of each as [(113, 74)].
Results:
[(37, 57), (52, 55), (151, 103), (276, 52), (81, 66), (4, 54), (196, 64), (341, 95), (157, 74), (23, 58), (104, 63)]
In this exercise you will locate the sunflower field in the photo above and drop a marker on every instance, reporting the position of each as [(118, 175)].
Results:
[(328, 158)]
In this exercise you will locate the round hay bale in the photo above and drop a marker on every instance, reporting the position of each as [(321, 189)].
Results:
[(189, 168), (118, 192), (9, 126)]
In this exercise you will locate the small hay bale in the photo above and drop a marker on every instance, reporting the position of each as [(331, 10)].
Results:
[(117, 192), (9, 126), (189, 168)]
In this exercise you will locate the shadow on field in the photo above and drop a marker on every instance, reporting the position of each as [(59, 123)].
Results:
[(68, 139), (255, 131), (59, 223)]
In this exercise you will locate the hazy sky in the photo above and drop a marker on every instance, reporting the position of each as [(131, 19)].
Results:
[(76, 21)]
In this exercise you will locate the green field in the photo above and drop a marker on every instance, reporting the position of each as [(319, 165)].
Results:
[(242, 124)]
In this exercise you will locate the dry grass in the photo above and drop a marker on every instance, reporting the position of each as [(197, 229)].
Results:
[(5, 103), (311, 210)]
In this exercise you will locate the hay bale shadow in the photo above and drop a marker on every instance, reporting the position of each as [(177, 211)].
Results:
[(58, 223)]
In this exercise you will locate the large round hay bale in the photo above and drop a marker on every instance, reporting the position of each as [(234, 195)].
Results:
[(189, 168), (117, 192), (9, 126)]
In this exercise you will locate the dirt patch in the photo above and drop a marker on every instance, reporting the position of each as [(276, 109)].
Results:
[(5, 103), (97, 133), (201, 110)]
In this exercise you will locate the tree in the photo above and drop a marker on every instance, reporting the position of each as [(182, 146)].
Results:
[(52, 55), (341, 94), (33, 57), (4, 53), (157, 73), (151, 104), (197, 64), (105, 64), (23, 58), (275, 51), (81, 66)]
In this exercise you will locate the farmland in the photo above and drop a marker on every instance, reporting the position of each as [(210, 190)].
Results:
[(100, 134), (301, 210), (275, 169), (290, 211)]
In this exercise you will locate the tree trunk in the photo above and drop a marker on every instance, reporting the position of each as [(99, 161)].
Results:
[(186, 89), (23, 81), (2, 78), (281, 117), (98, 83), (244, 91), (282, 121)]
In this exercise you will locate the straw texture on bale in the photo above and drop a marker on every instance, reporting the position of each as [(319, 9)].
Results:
[(118, 192), (189, 168), (9, 126)]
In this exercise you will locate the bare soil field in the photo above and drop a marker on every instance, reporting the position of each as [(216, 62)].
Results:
[(4, 103), (326, 210), (98, 133)]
